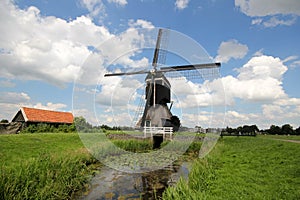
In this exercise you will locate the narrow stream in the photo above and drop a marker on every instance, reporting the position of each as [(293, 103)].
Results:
[(113, 184)]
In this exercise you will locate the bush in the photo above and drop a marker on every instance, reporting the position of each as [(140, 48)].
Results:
[(47, 128)]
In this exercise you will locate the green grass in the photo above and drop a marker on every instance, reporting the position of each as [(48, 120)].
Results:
[(57, 166), (281, 137), (243, 168), (43, 166), (17, 148), (134, 145)]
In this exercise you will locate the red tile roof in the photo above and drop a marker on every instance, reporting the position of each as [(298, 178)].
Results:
[(39, 115)]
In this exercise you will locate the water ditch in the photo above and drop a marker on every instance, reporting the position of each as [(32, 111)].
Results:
[(166, 163), (113, 184)]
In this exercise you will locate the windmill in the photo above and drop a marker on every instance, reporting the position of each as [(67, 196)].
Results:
[(156, 112)]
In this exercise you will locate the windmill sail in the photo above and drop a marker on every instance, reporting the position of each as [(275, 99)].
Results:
[(160, 47), (158, 88)]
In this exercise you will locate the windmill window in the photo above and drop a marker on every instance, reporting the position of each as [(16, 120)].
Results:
[(148, 123)]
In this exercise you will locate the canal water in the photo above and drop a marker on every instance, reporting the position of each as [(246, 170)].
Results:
[(113, 184)]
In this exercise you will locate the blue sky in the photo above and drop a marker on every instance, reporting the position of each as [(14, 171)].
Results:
[(45, 47)]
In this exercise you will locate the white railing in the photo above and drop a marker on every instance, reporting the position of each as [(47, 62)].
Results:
[(158, 131)]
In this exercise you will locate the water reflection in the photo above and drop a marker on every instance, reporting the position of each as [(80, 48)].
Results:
[(113, 184)]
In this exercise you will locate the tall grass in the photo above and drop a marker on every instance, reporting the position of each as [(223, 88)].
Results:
[(43, 166), (44, 177), (243, 168), (134, 145)]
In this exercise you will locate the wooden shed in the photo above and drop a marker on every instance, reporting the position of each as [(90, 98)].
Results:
[(34, 116)]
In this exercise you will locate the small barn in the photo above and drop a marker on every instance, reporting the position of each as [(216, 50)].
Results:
[(28, 116)]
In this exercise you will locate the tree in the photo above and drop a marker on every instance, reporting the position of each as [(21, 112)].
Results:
[(175, 122), (230, 130), (297, 131), (274, 130), (4, 121), (81, 124), (239, 130), (106, 127), (254, 128), (287, 129)]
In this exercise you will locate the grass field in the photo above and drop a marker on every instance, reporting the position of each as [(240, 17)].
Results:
[(57, 166), (243, 168), (281, 137)]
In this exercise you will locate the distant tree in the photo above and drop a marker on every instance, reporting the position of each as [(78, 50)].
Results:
[(254, 128), (231, 130), (297, 131), (239, 129), (274, 130), (175, 122), (4, 121), (106, 127), (250, 129), (81, 124), (287, 129)]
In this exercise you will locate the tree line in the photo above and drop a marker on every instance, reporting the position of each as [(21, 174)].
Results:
[(241, 130), (79, 124), (285, 129)]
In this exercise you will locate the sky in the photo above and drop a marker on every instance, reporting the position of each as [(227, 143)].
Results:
[(53, 55)]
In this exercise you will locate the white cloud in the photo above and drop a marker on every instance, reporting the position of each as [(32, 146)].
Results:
[(277, 9), (275, 21), (50, 106), (258, 53), (45, 47), (254, 8), (97, 8), (117, 92), (50, 49), (295, 64), (7, 84), (140, 23), (294, 61), (283, 110), (290, 58), (11, 102), (259, 86), (181, 4), (14, 97), (231, 49), (262, 67), (119, 2), (256, 21), (258, 80)]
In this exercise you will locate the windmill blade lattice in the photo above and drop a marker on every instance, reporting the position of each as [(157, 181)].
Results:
[(204, 74)]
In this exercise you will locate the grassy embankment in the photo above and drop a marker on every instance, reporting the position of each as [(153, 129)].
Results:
[(42, 166), (244, 168)]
